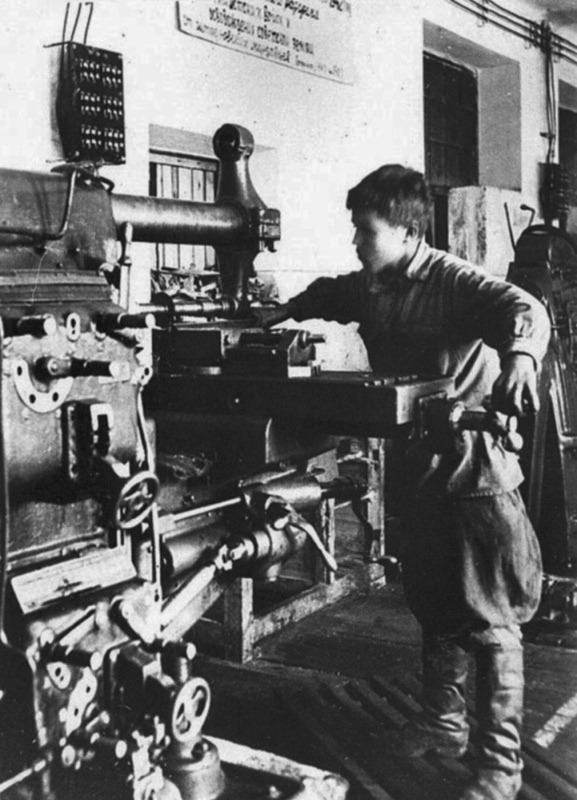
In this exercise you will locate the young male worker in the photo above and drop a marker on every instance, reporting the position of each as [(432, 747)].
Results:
[(471, 560)]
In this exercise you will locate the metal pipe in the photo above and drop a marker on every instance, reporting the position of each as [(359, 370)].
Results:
[(173, 608), (156, 219), (177, 310), (38, 766), (202, 510), (301, 492)]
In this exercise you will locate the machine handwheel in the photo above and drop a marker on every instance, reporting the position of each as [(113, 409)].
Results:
[(190, 710), (136, 499)]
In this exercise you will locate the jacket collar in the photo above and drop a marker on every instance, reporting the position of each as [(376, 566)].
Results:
[(419, 266), (417, 269)]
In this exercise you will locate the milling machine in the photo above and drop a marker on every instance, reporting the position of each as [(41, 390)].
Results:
[(116, 537)]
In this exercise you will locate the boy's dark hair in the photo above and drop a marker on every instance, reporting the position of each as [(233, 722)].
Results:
[(398, 194)]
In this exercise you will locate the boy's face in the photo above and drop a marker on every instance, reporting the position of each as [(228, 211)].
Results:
[(382, 248)]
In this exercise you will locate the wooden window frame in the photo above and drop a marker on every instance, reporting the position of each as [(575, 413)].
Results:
[(189, 177), (443, 143)]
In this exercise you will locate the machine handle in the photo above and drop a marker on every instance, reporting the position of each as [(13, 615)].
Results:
[(309, 529), (441, 418), (278, 513), (488, 420)]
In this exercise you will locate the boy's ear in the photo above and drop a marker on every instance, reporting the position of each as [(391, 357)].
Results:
[(412, 231)]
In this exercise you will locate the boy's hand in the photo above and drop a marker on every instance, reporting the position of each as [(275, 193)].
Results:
[(267, 317), (515, 390)]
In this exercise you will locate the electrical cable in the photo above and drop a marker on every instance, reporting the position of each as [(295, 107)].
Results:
[(525, 25), (78, 13), (483, 17), (507, 10), (566, 41), (569, 58), (551, 105), (522, 27), (88, 21), (481, 9), (62, 48), (65, 24), (566, 44), (550, 102)]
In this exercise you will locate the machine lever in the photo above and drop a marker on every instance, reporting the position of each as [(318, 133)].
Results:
[(277, 514), (463, 419), (442, 418), (316, 540)]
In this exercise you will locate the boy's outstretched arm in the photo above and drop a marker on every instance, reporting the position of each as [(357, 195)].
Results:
[(267, 317)]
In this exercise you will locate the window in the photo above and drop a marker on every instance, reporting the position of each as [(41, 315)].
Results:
[(183, 177), (451, 136)]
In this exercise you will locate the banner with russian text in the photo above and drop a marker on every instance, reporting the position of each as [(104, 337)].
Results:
[(309, 35)]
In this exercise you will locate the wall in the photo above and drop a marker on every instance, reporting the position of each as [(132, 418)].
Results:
[(324, 135), (479, 219)]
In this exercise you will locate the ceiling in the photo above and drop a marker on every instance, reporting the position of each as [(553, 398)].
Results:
[(560, 12)]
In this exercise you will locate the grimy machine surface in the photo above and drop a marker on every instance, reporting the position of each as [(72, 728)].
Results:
[(116, 536)]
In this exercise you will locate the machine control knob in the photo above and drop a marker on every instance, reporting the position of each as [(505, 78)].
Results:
[(50, 367), (307, 338), (41, 325), (176, 649), (108, 745), (73, 655), (93, 741)]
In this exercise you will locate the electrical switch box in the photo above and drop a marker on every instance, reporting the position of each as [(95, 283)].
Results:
[(90, 104)]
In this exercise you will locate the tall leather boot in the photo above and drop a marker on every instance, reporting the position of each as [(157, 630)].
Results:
[(500, 686), (442, 726)]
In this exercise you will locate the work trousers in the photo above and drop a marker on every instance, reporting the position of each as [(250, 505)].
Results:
[(469, 563), (472, 575)]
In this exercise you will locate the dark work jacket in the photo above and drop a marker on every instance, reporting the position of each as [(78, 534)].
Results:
[(440, 317)]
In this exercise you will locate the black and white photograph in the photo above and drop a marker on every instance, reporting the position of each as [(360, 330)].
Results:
[(288, 400)]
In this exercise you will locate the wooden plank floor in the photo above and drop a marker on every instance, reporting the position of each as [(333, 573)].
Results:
[(332, 689)]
